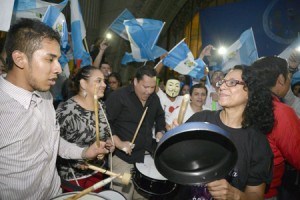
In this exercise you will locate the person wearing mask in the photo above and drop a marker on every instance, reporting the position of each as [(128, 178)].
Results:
[(30, 139), (170, 100)]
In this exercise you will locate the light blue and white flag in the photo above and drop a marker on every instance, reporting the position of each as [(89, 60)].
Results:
[(57, 21), (81, 56), (33, 9), (181, 60), (117, 25), (143, 35), (243, 51)]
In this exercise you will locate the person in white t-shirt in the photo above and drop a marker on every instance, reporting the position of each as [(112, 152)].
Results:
[(198, 94), (171, 99)]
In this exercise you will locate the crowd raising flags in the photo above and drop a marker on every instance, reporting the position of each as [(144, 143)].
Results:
[(142, 35)]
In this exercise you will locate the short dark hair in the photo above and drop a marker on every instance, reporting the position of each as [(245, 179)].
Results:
[(145, 70), (267, 69), (198, 86), (26, 36)]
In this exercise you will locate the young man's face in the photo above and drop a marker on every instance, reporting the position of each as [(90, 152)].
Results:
[(42, 70)]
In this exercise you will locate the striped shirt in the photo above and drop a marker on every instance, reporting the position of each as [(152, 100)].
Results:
[(28, 144)]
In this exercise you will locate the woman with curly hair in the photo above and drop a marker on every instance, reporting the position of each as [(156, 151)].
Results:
[(247, 115)]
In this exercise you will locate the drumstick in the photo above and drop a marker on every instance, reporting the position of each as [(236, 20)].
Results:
[(183, 108), (92, 188), (125, 178), (96, 109), (138, 128)]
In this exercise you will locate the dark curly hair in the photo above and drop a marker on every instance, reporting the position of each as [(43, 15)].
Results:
[(258, 112)]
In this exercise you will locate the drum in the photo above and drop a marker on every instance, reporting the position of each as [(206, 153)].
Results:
[(89, 196), (112, 195), (148, 180)]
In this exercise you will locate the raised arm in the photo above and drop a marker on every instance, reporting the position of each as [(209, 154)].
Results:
[(102, 47)]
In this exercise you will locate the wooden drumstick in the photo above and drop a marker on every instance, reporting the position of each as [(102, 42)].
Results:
[(92, 188), (125, 177), (183, 107), (139, 126), (96, 109)]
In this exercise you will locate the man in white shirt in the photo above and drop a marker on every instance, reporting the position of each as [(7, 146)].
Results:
[(29, 134)]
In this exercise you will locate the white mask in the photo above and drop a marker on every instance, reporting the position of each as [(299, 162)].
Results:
[(173, 87)]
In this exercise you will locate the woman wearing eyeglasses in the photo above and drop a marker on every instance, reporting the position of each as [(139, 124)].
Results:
[(246, 115)]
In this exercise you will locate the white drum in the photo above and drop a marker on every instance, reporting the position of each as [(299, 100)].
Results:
[(112, 195), (148, 180), (89, 196)]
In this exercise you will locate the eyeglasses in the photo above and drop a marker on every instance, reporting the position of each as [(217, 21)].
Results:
[(229, 83)]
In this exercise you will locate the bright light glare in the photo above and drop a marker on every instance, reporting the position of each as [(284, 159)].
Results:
[(222, 50), (298, 48), (108, 36)]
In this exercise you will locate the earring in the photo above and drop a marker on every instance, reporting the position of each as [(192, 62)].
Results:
[(84, 94)]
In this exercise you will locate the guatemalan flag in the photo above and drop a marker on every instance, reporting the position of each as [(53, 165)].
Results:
[(143, 35), (81, 56), (57, 21), (181, 60), (33, 9), (117, 25), (243, 51)]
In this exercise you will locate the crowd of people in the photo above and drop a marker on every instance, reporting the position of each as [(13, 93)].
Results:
[(102, 122)]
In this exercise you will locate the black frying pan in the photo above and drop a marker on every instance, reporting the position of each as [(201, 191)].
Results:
[(195, 153)]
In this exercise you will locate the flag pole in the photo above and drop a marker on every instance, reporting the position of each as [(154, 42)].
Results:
[(85, 44), (158, 35)]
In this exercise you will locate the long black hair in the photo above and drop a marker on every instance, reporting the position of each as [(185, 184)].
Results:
[(259, 109)]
